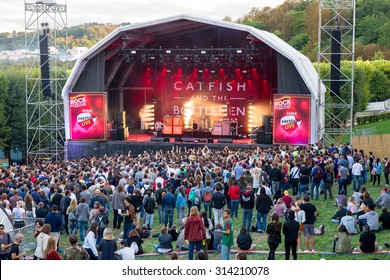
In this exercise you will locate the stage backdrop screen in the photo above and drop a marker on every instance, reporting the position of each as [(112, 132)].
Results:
[(291, 119), (87, 115)]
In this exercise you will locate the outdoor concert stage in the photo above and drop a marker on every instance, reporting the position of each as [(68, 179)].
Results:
[(187, 73)]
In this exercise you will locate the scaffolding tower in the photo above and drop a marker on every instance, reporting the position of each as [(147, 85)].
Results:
[(336, 25), (46, 74)]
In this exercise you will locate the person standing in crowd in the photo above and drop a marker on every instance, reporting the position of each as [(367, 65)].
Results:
[(82, 214), (308, 226), (42, 240), (290, 231), (295, 174), (377, 171), (343, 178), (72, 217), (316, 174), (149, 205), (51, 250), (15, 248), (181, 203), (263, 206), (159, 194), (274, 235), (367, 241), (168, 206), (75, 252), (227, 237), (194, 232), (218, 201), (234, 194), (102, 221), (357, 170), (247, 205), (6, 244), (128, 215), (55, 221), (90, 242), (118, 204), (304, 180)]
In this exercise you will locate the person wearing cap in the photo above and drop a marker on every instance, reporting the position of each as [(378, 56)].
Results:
[(287, 199)]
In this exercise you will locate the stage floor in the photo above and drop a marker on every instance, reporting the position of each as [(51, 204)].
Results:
[(136, 143)]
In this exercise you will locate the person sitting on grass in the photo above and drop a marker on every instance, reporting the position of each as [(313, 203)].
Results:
[(384, 218), (342, 242), (165, 242), (341, 212), (244, 240), (367, 241)]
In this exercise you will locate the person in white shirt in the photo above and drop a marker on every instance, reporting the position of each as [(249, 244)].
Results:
[(90, 242), (357, 170), (127, 253)]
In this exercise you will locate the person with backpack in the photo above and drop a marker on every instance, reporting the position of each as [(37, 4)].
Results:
[(207, 195), (149, 204), (328, 182), (218, 201), (316, 175), (102, 221), (160, 192)]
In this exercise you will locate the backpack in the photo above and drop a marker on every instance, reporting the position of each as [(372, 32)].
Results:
[(317, 176), (207, 196), (329, 177), (192, 195), (101, 221), (72, 216)]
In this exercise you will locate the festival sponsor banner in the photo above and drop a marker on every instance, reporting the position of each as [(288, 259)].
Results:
[(291, 123), (87, 115)]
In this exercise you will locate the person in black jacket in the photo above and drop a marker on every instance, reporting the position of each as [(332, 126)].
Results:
[(275, 176), (244, 240), (247, 205), (290, 231), (263, 206), (218, 201)]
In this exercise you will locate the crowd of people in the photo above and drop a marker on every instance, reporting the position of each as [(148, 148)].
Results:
[(201, 189)]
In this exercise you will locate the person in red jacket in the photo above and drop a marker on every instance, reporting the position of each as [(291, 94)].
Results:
[(194, 232), (234, 194)]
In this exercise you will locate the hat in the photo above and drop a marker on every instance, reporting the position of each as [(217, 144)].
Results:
[(285, 193)]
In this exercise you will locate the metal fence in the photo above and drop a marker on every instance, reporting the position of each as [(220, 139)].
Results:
[(28, 245), (365, 131)]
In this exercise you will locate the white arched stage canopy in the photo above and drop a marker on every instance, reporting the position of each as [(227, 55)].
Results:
[(202, 69)]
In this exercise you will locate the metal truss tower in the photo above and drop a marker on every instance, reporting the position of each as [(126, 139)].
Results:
[(336, 42), (45, 25)]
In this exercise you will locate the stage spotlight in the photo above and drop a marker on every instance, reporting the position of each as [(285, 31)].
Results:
[(202, 51), (168, 51), (177, 58), (133, 52), (239, 51), (196, 59)]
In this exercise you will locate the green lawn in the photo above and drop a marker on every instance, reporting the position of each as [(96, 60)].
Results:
[(323, 243), (382, 127)]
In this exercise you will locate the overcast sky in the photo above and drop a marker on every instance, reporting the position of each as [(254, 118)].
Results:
[(134, 11)]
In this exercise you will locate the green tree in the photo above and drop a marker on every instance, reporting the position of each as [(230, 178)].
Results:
[(5, 131)]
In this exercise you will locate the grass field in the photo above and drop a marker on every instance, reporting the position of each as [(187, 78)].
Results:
[(323, 243), (382, 127)]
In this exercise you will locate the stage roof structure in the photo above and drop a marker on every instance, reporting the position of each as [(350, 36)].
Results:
[(105, 68)]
